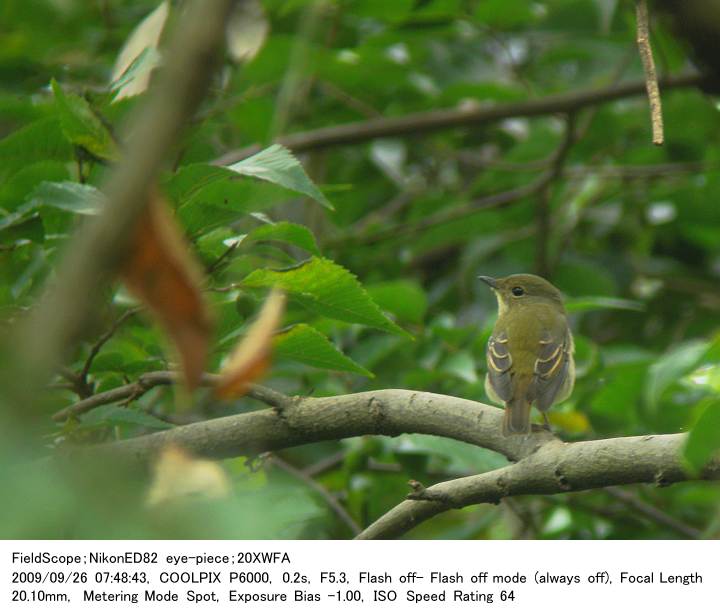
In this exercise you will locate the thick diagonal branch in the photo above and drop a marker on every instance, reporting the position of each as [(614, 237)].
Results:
[(556, 467)]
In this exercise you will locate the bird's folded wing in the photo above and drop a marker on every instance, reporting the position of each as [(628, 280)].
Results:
[(551, 369), (499, 363)]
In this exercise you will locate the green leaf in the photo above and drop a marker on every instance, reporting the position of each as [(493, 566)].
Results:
[(208, 196), (328, 289), (111, 415), (504, 14), (704, 438), (277, 164), (583, 304), (38, 141), (69, 196), (15, 190), (671, 366), (307, 345), (81, 126), (289, 232), (406, 299)]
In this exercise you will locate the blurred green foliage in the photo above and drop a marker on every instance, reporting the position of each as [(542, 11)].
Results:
[(378, 300)]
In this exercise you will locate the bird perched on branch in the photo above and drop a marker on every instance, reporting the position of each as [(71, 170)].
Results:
[(530, 352)]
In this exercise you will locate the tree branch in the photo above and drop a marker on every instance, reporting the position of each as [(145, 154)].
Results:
[(546, 465), (556, 467), (388, 412), (441, 119), (149, 380)]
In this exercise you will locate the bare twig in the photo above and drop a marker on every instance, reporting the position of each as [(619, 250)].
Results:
[(653, 513), (363, 108), (150, 380), (543, 213), (441, 119), (221, 259), (102, 341), (324, 464), (327, 496), (651, 81), (269, 396), (498, 200)]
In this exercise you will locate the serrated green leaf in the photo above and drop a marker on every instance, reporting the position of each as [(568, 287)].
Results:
[(704, 438), (38, 141), (671, 366), (207, 196), (582, 304), (277, 164), (111, 415), (328, 289), (289, 232), (69, 196), (81, 126), (307, 345)]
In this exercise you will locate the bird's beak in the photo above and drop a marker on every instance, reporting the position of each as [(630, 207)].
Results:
[(489, 281)]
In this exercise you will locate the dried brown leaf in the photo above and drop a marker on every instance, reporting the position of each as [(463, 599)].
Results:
[(146, 34), (251, 357), (163, 273)]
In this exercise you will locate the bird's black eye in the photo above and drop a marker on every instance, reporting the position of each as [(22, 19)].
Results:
[(518, 291)]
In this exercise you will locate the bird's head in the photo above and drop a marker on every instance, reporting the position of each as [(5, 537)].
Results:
[(520, 289)]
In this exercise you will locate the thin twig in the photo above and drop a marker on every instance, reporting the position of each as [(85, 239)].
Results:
[(651, 81), (327, 496), (269, 396), (498, 200), (653, 513), (325, 464), (149, 380), (441, 119), (220, 260), (543, 212), (363, 108), (102, 341), (74, 382)]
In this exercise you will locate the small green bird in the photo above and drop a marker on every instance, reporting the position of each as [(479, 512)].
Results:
[(530, 352)]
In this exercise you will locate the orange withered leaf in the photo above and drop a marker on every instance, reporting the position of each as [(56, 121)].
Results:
[(251, 357), (162, 272)]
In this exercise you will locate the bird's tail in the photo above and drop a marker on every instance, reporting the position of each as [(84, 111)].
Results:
[(517, 417)]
